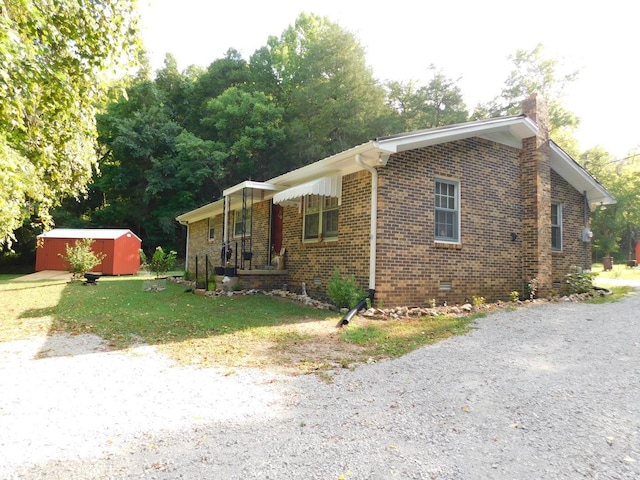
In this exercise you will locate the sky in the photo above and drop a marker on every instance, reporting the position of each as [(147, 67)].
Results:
[(466, 40)]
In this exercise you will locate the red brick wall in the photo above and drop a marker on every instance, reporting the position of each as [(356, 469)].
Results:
[(411, 265), (258, 241), (535, 178), (574, 252), (200, 246), (314, 263), (503, 191)]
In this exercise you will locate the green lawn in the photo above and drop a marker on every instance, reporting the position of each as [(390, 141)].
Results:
[(619, 271), (237, 331)]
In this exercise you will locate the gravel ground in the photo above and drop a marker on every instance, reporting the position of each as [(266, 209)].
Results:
[(544, 392)]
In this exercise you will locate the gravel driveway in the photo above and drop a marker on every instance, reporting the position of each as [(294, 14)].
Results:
[(544, 392)]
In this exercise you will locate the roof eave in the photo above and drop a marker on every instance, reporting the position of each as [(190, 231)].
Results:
[(579, 178), (508, 130)]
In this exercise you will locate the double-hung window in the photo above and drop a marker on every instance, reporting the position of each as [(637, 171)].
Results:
[(556, 227), (237, 223), (447, 211), (212, 232), (320, 217)]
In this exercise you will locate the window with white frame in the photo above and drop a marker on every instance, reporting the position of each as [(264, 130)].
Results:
[(212, 232), (237, 223), (556, 227), (320, 217), (447, 210)]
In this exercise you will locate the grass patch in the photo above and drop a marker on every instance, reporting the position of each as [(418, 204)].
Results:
[(226, 332), (617, 293), (395, 338), (618, 272)]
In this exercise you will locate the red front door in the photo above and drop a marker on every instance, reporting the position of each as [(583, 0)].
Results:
[(276, 228)]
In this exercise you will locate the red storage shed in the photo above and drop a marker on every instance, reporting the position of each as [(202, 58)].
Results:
[(121, 247)]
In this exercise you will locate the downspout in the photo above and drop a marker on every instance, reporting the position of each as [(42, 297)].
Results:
[(186, 250), (587, 250), (373, 235)]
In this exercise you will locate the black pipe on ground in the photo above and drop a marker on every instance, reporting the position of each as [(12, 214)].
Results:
[(360, 306)]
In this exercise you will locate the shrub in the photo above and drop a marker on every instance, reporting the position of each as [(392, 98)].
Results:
[(143, 260), (578, 281), (162, 262), (344, 292), (531, 287), (514, 296), (81, 258), (478, 301)]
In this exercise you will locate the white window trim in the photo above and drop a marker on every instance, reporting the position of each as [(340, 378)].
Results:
[(210, 227), (237, 214), (320, 220), (559, 225), (456, 183)]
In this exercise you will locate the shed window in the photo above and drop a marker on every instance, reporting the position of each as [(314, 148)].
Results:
[(320, 217), (447, 211), (556, 227)]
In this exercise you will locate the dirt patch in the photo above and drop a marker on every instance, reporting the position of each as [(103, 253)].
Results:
[(44, 275), (291, 349)]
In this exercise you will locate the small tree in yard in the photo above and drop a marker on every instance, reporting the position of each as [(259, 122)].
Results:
[(81, 258), (162, 262)]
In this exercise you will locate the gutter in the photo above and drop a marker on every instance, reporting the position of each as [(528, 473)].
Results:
[(373, 235), (186, 250)]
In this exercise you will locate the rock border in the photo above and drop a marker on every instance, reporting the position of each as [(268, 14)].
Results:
[(397, 312)]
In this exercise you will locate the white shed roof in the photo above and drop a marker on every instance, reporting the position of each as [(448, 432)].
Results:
[(94, 233)]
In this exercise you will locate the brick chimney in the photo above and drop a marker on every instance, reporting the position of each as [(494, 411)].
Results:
[(535, 179)]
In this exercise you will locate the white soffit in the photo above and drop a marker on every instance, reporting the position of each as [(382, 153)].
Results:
[(578, 177), (509, 131), (258, 189), (330, 186)]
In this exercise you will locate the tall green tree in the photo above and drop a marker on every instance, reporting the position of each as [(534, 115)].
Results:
[(53, 56), (436, 104), (152, 168), (229, 71), (535, 72), (616, 227), (317, 71), (137, 133), (248, 126)]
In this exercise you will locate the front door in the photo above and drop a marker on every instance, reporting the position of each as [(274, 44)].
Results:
[(276, 228)]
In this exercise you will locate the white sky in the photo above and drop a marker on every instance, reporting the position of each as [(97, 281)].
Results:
[(465, 39)]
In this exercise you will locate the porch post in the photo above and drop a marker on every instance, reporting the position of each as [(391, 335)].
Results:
[(225, 226)]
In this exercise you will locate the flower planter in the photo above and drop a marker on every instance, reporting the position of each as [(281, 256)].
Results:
[(92, 278)]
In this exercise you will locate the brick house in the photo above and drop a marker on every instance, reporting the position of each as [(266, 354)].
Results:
[(446, 213)]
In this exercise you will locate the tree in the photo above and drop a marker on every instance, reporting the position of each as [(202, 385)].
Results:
[(616, 228), (81, 258), (52, 59), (248, 127), (230, 71), (436, 104), (317, 72), (533, 72)]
